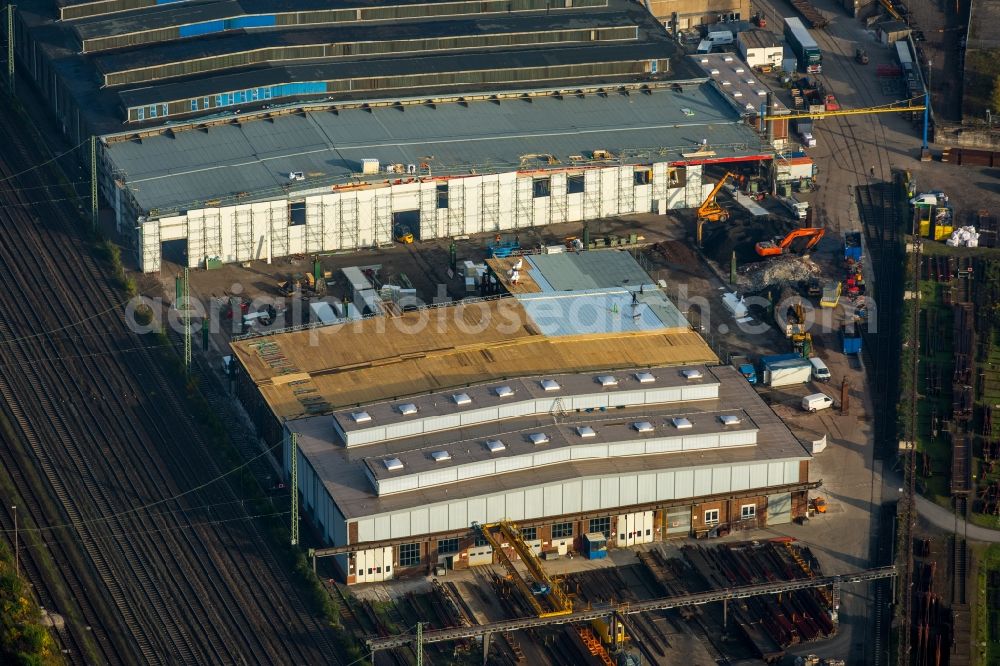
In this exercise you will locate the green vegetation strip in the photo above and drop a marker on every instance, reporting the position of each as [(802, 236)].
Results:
[(986, 607), (23, 639)]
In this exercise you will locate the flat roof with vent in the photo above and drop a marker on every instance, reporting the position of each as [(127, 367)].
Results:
[(583, 437), (491, 457), (737, 81), (130, 54), (442, 411)]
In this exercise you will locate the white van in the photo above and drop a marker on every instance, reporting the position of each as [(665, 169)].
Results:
[(821, 373), (816, 401), (720, 37)]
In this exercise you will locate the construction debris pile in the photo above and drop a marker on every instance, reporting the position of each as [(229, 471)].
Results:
[(776, 272), (963, 237)]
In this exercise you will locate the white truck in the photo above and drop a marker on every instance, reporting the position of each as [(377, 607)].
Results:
[(787, 373), (805, 129), (715, 38), (760, 49), (798, 209)]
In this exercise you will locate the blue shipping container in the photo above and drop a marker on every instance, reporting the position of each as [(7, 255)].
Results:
[(852, 246), (595, 546), (851, 343)]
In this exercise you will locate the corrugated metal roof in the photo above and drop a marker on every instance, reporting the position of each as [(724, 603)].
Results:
[(571, 271), (610, 310), (182, 170), (240, 42)]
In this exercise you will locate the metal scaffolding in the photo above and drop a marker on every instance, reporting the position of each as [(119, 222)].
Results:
[(491, 204), (456, 208), (243, 234)]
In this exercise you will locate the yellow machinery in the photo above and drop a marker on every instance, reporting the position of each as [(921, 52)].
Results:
[(403, 234), (710, 210), (600, 626), (892, 10), (894, 107), (802, 344), (541, 588)]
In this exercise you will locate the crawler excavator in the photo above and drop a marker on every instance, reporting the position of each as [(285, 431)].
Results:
[(779, 245), (710, 210)]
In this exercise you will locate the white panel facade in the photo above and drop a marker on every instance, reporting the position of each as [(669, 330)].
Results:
[(382, 528), (533, 503), (515, 505), (366, 529), (553, 500), (438, 518), (758, 475), (419, 521), (591, 498), (457, 516), (702, 481), (628, 490), (572, 499), (665, 486), (741, 477), (646, 488), (399, 524), (477, 510), (572, 496), (495, 508), (609, 492), (775, 473), (721, 479), (684, 484)]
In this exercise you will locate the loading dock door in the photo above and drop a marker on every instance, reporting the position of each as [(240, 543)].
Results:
[(647, 527), (779, 509), (679, 520)]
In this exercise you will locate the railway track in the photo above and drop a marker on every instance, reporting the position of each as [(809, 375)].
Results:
[(875, 198), (161, 569)]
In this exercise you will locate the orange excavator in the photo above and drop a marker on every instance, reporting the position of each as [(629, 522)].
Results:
[(710, 210), (779, 245)]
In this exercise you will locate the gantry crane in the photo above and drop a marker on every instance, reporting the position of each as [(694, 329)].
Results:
[(542, 588), (710, 210), (893, 107)]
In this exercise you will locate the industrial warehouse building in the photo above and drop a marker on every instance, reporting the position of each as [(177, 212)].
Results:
[(569, 411), (244, 130)]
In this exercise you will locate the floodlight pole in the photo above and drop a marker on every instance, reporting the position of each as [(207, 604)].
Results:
[(294, 469), (10, 47)]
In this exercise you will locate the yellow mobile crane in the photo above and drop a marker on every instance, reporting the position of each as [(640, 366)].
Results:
[(541, 588), (710, 210)]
